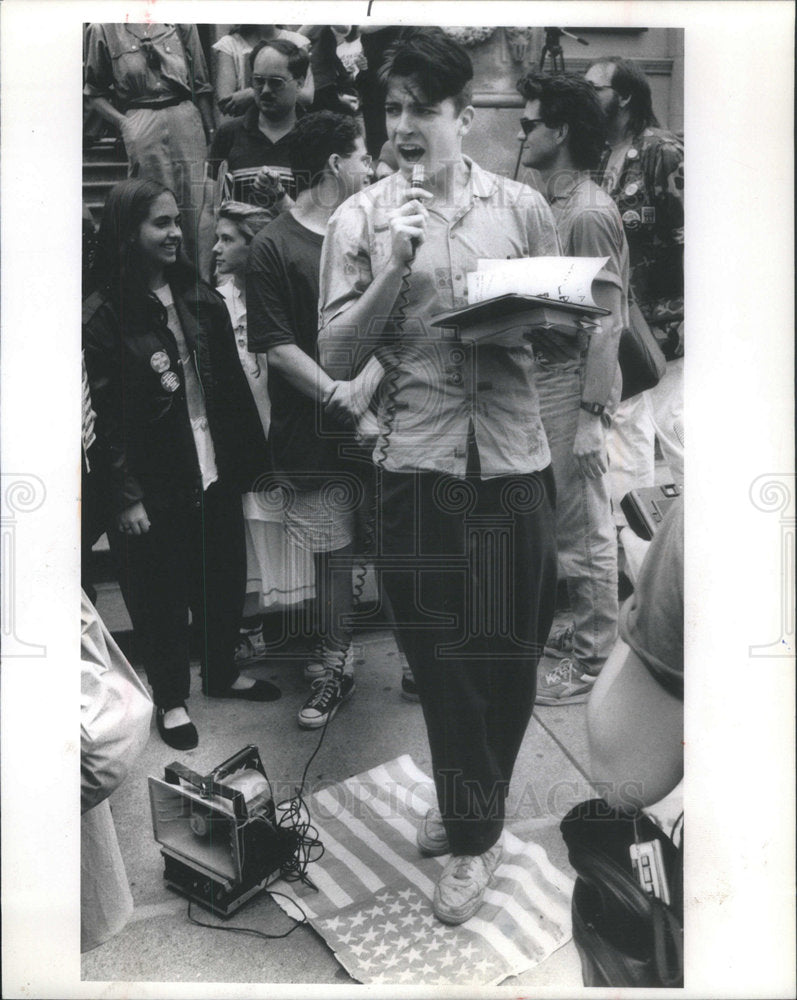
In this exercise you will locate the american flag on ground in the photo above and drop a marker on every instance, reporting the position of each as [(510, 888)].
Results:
[(374, 904)]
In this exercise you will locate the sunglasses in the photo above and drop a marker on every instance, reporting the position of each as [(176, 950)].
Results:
[(529, 124), (275, 83)]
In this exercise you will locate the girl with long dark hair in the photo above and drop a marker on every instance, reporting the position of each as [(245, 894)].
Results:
[(178, 440)]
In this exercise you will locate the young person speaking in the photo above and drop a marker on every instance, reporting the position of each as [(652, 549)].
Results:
[(467, 541)]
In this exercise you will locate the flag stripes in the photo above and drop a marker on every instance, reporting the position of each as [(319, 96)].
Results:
[(373, 907)]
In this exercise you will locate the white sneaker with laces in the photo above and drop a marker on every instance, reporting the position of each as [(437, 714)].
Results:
[(566, 684), (460, 889)]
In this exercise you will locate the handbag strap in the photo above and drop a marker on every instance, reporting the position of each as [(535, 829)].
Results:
[(668, 945)]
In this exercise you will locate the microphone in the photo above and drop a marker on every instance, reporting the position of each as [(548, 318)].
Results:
[(418, 180)]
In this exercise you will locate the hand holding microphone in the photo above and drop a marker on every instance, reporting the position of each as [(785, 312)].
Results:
[(408, 222)]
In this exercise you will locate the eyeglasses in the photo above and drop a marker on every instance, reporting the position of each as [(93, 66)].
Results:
[(275, 83), (529, 124)]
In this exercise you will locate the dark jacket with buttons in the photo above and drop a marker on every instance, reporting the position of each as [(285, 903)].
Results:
[(145, 443)]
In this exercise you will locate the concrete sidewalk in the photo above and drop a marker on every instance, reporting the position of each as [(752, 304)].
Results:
[(160, 944)]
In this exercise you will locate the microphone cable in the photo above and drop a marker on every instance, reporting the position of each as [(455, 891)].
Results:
[(399, 317)]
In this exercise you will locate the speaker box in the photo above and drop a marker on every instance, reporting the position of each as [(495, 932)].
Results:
[(217, 832)]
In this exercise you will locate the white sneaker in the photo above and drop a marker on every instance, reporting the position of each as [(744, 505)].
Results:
[(432, 839), (460, 889)]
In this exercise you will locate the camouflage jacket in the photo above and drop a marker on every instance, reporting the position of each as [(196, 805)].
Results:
[(649, 192)]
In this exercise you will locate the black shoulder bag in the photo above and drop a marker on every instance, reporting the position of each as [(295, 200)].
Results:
[(625, 935)]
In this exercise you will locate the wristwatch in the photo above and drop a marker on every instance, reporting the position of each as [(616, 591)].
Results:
[(596, 409)]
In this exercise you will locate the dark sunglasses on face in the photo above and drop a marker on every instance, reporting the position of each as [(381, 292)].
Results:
[(529, 124), (275, 83)]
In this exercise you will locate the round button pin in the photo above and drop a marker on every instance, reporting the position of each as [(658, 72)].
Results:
[(160, 361), (631, 219), (631, 189), (170, 381), (632, 154)]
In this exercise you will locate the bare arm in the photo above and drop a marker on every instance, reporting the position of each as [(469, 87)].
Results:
[(306, 92), (230, 101), (343, 401), (635, 731), (601, 364), (600, 372), (301, 371), (350, 400)]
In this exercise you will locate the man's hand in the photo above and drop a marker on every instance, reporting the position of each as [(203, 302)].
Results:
[(589, 446), (237, 103), (352, 101), (267, 188), (133, 520), (408, 224), (347, 402)]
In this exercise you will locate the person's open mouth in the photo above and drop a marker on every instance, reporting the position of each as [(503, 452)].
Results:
[(410, 152)]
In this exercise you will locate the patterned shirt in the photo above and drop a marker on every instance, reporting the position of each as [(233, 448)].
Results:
[(649, 192), (440, 388)]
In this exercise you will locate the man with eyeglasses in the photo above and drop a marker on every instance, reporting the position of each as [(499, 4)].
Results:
[(261, 138), (643, 172), (564, 134)]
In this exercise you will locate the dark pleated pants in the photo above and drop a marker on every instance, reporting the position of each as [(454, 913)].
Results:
[(470, 567)]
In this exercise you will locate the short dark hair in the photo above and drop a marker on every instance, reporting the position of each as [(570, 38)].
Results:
[(566, 99), (315, 138), (629, 81), (298, 59), (439, 66)]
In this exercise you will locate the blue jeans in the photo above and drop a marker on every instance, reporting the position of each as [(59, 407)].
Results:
[(585, 531)]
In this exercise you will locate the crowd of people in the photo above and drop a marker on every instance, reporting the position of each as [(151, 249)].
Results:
[(267, 407)]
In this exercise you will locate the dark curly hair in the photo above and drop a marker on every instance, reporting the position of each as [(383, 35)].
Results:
[(566, 99), (314, 139), (439, 67)]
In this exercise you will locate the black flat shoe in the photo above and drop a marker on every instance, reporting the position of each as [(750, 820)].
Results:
[(260, 691), (183, 737)]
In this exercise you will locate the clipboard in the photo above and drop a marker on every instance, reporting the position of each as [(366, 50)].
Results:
[(511, 306)]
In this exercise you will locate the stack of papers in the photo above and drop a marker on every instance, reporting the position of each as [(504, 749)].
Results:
[(510, 299)]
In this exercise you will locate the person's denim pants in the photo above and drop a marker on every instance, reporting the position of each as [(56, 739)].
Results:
[(585, 531)]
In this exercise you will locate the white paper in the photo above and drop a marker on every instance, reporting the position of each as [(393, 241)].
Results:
[(565, 279)]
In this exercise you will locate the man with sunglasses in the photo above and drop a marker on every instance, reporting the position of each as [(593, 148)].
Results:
[(261, 138), (564, 134)]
